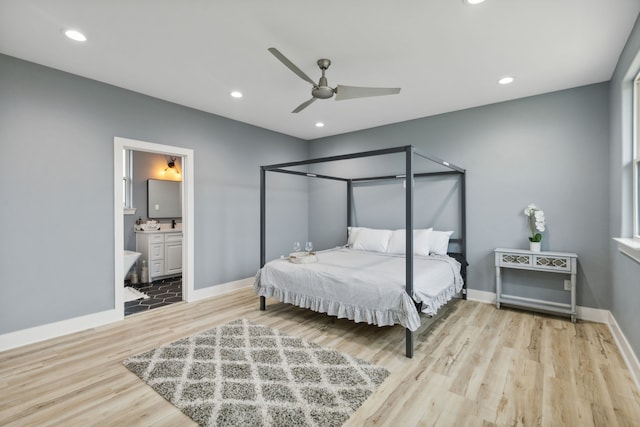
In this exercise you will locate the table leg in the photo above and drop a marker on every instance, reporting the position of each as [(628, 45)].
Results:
[(573, 298), (498, 287)]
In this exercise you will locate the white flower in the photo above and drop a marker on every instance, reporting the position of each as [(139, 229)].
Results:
[(531, 208), (536, 222)]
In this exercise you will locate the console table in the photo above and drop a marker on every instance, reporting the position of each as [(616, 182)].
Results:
[(556, 262)]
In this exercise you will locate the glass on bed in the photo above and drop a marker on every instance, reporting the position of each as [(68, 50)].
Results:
[(296, 246), (308, 246)]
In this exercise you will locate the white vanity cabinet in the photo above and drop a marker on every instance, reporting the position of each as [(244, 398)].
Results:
[(163, 251), (173, 253)]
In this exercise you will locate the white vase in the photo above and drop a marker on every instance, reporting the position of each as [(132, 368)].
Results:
[(534, 246)]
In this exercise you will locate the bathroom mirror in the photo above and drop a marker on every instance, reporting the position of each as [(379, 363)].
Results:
[(164, 199)]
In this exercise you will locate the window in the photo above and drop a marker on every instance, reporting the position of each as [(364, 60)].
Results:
[(127, 181), (636, 191), (630, 246)]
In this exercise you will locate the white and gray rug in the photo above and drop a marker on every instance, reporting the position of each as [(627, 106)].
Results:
[(243, 374)]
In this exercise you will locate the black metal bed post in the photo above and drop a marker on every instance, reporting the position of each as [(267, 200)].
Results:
[(263, 229), (409, 240), (349, 201), (463, 227)]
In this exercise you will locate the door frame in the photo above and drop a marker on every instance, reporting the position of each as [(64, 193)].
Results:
[(120, 144)]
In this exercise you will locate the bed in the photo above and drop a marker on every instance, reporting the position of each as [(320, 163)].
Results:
[(374, 281), (363, 286)]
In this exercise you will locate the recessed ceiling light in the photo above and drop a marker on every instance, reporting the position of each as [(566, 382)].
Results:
[(75, 35), (236, 94), (473, 1), (319, 124), (506, 80)]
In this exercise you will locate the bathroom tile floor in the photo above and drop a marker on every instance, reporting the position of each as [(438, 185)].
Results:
[(162, 292)]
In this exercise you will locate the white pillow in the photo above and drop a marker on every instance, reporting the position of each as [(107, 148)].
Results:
[(370, 239), (439, 242), (352, 232), (398, 244)]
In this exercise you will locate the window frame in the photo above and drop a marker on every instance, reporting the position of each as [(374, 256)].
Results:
[(127, 180), (630, 246), (636, 159), (636, 194)]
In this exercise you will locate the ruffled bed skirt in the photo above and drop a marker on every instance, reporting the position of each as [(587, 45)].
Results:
[(431, 307), (407, 316)]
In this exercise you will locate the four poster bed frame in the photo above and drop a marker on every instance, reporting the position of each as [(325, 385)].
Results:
[(408, 175)]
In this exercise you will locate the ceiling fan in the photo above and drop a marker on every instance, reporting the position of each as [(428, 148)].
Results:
[(321, 90)]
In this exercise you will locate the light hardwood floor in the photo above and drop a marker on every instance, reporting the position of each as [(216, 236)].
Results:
[(473, 366)]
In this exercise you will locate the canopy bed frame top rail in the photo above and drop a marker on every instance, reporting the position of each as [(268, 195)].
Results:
[(410, 153)]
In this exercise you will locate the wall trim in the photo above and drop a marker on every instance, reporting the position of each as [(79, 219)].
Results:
[(225, 288), (596, 315), (56, 329), (627, 352), (481, 296), (36, 334)]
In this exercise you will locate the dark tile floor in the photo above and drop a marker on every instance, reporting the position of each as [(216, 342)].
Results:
[(162, 292)]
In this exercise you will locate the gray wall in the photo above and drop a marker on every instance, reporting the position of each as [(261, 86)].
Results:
[(550, 150), (56, 190), (625, 283)]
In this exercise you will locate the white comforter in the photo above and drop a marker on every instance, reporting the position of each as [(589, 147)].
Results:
[(362, 286)]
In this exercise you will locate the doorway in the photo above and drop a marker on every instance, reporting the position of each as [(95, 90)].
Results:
[(121, 144)]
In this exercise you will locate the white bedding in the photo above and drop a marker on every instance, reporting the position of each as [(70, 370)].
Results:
[(362, 286)]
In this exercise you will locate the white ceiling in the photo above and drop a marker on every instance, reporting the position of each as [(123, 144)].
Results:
[(444, 54)]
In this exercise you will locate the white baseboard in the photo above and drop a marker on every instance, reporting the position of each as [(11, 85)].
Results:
[(593, 314), (213, 291), (57, 329), (628, 355), (481, 296)]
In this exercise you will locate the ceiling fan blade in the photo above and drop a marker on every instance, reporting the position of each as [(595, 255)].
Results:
[(351, 92), (290, 65), (304, 105)]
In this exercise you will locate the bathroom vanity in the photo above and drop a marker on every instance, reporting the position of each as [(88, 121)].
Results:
[(163, 251)]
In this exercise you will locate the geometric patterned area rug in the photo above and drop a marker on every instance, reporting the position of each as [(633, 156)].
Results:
[(243, 374)]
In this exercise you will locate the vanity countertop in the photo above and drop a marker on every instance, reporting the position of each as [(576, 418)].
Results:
[(164, 228)]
